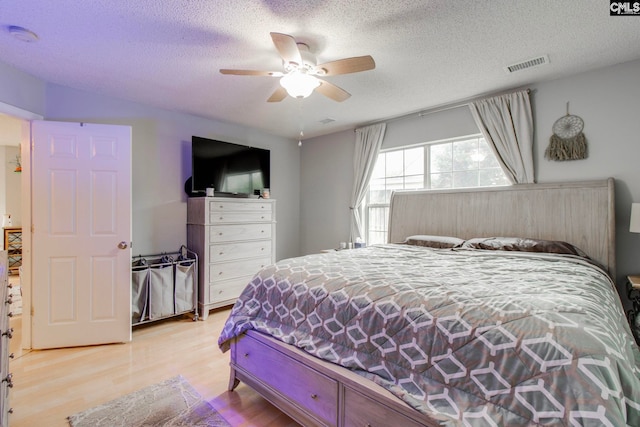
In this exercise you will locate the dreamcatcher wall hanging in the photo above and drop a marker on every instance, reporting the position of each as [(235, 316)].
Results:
[(567, 142)]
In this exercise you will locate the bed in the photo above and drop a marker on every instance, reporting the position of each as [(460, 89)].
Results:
[(461, 320)]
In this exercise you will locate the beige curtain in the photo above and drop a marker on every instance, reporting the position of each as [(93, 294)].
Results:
[(368, 143), (506, 122)]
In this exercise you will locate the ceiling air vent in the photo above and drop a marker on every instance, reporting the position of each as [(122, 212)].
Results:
[(533, 62), (327, 120)]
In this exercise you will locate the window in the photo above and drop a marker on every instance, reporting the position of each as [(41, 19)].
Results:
[(455, 163)]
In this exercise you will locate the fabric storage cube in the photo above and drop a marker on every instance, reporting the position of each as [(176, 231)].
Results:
[(184, 285), (139, 290), (161, 288)]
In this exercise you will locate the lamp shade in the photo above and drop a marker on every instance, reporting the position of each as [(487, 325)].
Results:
[(299, 85), (634, 222)]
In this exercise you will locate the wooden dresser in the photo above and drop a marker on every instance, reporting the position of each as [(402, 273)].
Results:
[(234, 239), (5, 329)]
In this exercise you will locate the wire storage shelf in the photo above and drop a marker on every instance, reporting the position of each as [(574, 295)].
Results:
[(164, 285)]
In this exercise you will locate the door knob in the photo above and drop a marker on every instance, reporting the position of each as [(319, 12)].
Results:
[(122, 245)]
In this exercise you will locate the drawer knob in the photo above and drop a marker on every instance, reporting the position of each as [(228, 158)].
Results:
[(246, 355), (10, 299), (221, 253), (8, 333), (314, 396), (9, 380), (220, 233)]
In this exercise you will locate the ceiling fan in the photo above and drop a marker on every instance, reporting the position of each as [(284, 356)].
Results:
[(300, 76)]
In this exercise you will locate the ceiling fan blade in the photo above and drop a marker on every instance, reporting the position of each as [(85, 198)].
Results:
[(332, 91), (287, 47), (346, 66), (278, 95), (252, 73)]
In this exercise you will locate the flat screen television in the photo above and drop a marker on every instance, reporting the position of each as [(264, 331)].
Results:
[(231, 169)]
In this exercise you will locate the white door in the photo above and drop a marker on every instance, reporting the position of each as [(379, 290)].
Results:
[(81, 234)]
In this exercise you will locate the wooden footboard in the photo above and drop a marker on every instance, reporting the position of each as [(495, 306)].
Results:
[(314, 392)]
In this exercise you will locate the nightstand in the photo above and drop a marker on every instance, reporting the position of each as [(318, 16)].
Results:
[(633, 293)]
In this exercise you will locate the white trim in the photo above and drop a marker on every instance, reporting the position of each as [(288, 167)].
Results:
[(25, 276)]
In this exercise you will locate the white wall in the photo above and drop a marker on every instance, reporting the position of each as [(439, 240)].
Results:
[(326, 176), (10, 184), (161, 157), (315, 180), (416, 129), (21, 90), (162, 164), (608, 100), (327, 172)]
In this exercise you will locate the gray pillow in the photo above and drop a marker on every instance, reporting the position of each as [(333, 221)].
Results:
[(440, 242), (524, 245)]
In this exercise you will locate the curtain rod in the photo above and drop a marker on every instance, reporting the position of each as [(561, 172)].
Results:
[(446, 107)]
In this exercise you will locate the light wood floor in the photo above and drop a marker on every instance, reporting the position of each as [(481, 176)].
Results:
[(53, 384)]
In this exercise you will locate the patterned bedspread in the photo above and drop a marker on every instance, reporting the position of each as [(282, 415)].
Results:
[(469, 337)]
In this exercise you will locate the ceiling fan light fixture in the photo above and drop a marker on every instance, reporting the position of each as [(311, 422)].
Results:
[(299, 84)]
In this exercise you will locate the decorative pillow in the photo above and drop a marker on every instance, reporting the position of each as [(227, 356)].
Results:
[(524, 245), (440, 242)]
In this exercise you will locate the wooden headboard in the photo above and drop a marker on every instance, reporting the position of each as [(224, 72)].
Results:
[(581, 213)]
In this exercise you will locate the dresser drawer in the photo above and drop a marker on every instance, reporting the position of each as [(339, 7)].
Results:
[(237, 250), (360, 410), (237, 206), (308, 388), (235, 232), (227, 290), (229, 216), (229, 270)]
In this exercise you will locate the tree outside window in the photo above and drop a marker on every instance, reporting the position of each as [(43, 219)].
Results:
[(457, 163)]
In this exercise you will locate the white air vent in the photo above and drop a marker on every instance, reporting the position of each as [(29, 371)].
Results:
[(534, 62), (327, 120)]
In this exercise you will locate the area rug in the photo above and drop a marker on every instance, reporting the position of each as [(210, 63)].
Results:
[(171, 403)]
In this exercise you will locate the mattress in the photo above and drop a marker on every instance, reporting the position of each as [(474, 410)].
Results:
[(467, 336)]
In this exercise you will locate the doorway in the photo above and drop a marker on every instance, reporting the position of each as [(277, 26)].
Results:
[(14, 143), (10, 208)]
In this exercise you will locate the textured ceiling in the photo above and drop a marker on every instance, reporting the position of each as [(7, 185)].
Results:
[(428, 53)]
